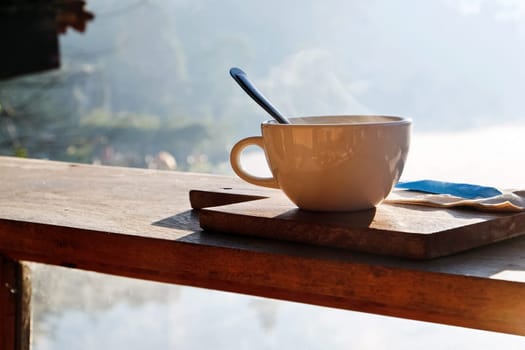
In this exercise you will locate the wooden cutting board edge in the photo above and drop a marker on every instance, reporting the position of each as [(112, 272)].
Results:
[(215, 219), (215, 214)]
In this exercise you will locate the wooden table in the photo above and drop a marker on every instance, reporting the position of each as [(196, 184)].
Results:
[(139, 223)]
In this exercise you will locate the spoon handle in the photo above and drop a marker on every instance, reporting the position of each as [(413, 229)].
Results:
[(242, 79)]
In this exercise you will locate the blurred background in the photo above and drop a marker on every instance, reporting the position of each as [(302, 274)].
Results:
[(145, 83), (148, 76)]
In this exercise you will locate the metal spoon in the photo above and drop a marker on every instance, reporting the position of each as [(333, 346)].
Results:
[(242, 79)]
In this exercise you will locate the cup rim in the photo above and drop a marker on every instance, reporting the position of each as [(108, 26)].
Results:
[(391, 120)]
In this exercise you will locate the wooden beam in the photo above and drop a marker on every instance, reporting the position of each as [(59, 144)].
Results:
[(15, 298), (138, 223)]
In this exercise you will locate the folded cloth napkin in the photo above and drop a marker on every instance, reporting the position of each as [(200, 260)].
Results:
[(448, 194), (455, 189)]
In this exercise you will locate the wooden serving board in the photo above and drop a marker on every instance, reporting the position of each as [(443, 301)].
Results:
[(407, 231)]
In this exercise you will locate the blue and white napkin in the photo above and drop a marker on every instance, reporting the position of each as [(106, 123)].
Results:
[(448, 194)]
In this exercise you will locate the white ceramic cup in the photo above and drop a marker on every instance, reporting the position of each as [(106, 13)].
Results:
[(331, 163)]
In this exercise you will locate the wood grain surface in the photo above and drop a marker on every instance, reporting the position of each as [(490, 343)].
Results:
[(139, 223), (408, 231)]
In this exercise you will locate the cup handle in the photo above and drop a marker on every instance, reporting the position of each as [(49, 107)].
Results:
[(235, 161)]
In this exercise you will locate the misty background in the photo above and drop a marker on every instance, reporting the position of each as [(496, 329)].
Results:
[(150, 78)]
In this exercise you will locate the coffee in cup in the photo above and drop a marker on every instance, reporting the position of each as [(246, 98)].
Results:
[(331, 163)]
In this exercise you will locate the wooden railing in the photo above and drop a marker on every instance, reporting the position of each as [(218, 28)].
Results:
[(139, 223)]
